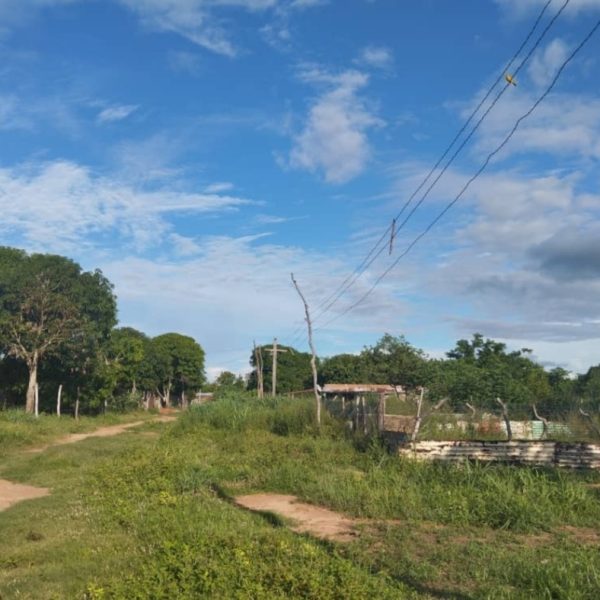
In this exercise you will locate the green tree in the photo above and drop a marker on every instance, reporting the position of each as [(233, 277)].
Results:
[(589, 386), (344, 368), (227, 379), (124, 355), (177, 365), (49, 306), (393, 360), (480, 370), (293, 370)]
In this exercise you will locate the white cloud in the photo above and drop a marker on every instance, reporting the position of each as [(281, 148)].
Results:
[(564, 124), (220, 186), (522, 263), (183, 245), (196, 20), (116, 113), (150, 159), (376, 56), (65, 207), (334, 138), (543, 66), (243, 278)]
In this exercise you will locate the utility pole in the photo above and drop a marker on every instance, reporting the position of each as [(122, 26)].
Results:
[(274, 350)]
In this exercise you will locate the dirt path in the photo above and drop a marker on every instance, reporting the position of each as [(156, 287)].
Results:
[(320, 522), (11, 493), (107, 431)]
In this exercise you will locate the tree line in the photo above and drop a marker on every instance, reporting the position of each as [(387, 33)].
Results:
[(475, 372), (59, 343)]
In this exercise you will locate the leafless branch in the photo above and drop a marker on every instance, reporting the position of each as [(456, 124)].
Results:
[(506, 419), (313, 360)]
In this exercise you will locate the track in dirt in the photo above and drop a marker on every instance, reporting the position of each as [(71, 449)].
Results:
[(315, 520), (107, 431), (11, 493)]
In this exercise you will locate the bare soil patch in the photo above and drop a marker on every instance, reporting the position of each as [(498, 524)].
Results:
[(107, 431), (583, 535), (11, 493), (307, 518)]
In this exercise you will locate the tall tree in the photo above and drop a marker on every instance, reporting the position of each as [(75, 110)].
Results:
[(179, 365), (344, 368), (393, 360), (49, 306)]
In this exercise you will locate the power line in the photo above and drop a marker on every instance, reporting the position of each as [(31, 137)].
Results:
[(379, 247), (472, 179), (369, 261)]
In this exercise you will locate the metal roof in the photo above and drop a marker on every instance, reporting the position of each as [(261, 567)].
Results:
[(357, 388)]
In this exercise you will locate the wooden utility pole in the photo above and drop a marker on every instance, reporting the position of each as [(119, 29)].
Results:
[(274, 350), (313, 360)]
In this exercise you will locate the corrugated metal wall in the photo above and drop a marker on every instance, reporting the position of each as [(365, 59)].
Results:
[(549, 454)]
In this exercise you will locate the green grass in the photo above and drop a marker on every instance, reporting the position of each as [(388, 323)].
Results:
[(139, 517), (19, 429)]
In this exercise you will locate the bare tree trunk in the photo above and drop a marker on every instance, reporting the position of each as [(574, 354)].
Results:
[(260, 390), (30, 401), (261, 381), (313, 360), (77, 400), (364, 415), (506, 419), (472, 409), (58, 398), (542, 419), (37, 400)]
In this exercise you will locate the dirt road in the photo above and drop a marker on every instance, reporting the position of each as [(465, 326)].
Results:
[(11, 493)]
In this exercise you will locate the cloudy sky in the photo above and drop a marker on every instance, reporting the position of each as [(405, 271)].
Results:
[(198, 151)]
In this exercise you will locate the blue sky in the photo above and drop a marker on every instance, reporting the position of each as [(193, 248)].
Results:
[(198, 151)]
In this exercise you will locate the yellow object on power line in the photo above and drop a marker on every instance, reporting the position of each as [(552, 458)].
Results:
[(510, 79)]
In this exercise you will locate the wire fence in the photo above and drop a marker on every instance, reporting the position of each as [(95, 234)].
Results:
[(373, 414)]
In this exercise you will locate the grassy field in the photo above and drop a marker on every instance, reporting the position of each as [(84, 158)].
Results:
[(148, 514), (19, 430)]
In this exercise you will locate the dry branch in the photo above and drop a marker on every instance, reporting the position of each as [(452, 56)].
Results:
[(313, 360), (506, 419)]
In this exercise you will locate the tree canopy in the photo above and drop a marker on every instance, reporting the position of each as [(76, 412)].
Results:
[(57, 330)]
